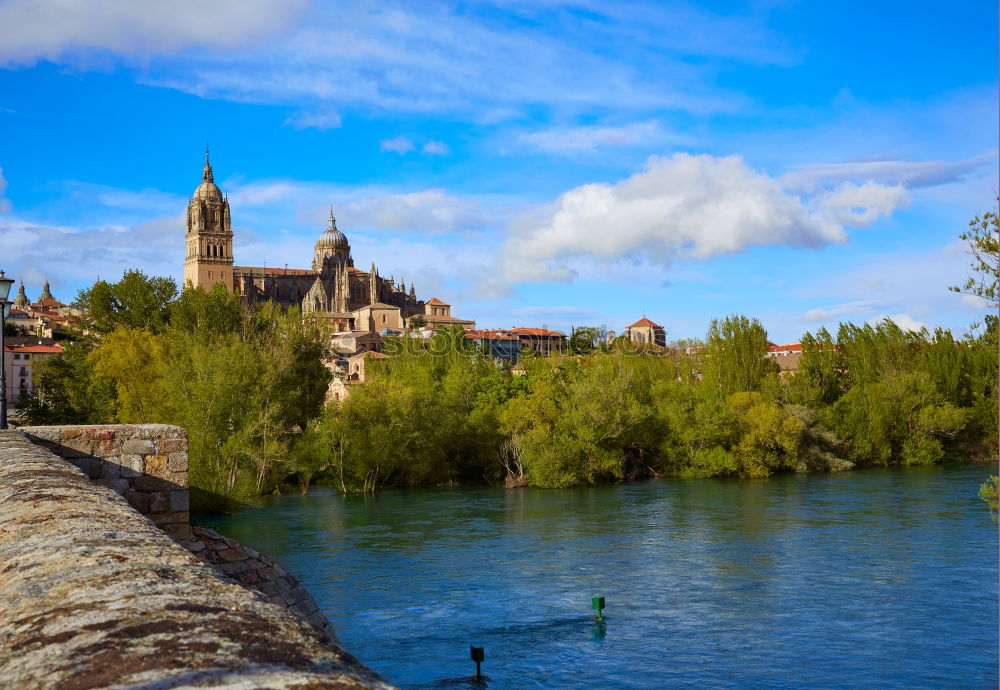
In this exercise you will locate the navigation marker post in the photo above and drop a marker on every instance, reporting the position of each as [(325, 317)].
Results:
[(478, 655), (597, 603)]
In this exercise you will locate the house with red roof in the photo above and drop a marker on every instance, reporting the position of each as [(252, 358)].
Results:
[(645, 331), (18, 362), (541, 340)]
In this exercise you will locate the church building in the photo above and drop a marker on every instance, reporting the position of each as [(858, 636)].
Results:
[(333, 288)]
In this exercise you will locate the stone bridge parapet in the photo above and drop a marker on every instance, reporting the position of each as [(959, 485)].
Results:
[(94, 595)]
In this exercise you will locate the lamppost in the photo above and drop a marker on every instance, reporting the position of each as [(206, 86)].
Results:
[(5, 284)]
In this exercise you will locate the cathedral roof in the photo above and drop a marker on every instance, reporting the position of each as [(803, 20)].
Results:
[(207, 190), (645, 322), (332, 237)]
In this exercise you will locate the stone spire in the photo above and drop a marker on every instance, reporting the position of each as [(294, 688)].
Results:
[(372, 285), (21, 301), (206, 174), (46, 294), (413, 292)]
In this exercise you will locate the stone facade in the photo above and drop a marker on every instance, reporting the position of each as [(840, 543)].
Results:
[(332, 287), (645, 331), (147, 464), (93, 595)]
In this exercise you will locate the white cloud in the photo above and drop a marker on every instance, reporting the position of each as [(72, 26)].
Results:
[(836, 311), (437, 57), (400, 145), (585, 139), (904, 321), (975, 301), (321, 119), (430, 211), (679, 206), (32, 30), (75, 256), (436, 148), (861, 205), (891, 172)]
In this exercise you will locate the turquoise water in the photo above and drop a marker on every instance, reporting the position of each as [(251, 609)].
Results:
[(867, 579)]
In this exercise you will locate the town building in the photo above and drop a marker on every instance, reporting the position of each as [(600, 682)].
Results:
[(344, 297), (44, 318), (541, 340), (645, 331), (20, 361), (502, 345)]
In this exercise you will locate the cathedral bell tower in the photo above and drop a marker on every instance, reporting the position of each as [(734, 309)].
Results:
[(209, 235)]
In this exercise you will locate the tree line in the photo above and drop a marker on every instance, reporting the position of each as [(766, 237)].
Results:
[(249, 386)]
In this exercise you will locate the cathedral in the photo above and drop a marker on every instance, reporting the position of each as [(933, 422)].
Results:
[(332, 288)]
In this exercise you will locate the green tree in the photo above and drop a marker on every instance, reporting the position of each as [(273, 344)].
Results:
[(136, 301), (988, 493), (981, 238), (735, 355)]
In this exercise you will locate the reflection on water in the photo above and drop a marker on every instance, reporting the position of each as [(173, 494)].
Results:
[(875, 578)]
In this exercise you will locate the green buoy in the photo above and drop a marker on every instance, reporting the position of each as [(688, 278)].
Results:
[(597, 603)]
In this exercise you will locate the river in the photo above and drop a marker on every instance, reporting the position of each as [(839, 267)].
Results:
[(870, 579)]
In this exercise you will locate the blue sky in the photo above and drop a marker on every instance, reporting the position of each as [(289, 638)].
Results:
[(546, 163)]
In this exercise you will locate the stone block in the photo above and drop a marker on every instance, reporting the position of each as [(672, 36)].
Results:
[(138, 446), (177, 462), (159, 501), (179, 501), (164, 518), (172, 445), (132, 466), (195, 546), (99, 433), (148, 483), (118, 485), (75, 448), (234, 568), (138, 500), (232, 555), (71, 432), (110, 470), (156, 465), (177, 478), (178, 532)]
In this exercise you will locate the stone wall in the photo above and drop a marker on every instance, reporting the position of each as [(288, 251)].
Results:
[(258, 572), (145, 463), (93, 595)]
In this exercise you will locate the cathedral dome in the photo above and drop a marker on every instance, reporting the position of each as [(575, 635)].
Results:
[(332, 237), (208, 190)]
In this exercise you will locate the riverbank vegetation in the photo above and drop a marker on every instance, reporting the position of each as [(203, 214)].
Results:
[(872, 395), (249, 386)]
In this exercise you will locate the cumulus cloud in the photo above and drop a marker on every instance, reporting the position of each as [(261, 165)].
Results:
[(75, 256), (400, 145), (321, 119), (32, 30), (436, 148), (430, 211), (584, 139), (904, 321), (861, 205), (911, 174), (679, 206)]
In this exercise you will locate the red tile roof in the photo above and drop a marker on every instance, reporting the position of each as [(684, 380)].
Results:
[(645, 322), (540, 332), (435, 301), (489, 335), (48, 302), (271, 271), (35, 349), (791, 347)]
